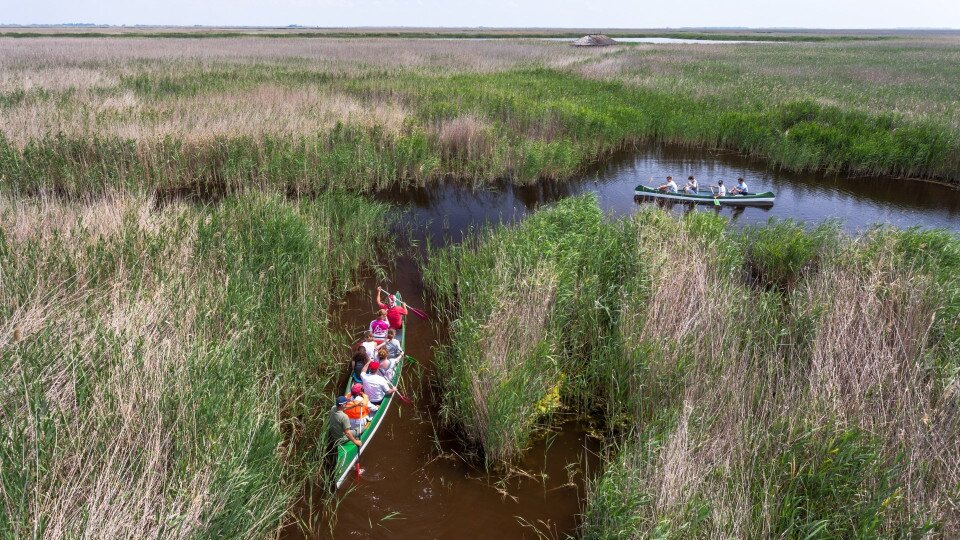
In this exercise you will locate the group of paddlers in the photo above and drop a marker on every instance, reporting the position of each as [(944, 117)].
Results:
[(373, 363), (692, 187)]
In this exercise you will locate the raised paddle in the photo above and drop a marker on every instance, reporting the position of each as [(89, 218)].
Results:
[(412, 309)]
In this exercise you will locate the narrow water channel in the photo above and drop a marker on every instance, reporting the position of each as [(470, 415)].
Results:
[(415, 484)]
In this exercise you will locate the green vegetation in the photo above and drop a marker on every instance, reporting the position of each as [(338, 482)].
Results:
[(545, 111), (774, 382), (166, 372), (522, 301), (165, 369)]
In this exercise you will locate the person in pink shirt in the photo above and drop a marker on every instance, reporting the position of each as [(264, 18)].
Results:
[(395, 312), (379, 326)]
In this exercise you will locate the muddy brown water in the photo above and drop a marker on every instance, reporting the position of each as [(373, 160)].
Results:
[(416, 481)]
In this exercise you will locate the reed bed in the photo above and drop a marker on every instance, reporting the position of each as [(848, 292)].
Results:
[(512, 298), (165, 372), (81, 114), (774, 382)]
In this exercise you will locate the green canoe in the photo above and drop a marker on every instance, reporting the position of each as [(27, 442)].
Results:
[(756, 199), (347, 452)]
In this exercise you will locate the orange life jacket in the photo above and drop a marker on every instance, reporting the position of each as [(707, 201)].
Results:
[(356, 411)]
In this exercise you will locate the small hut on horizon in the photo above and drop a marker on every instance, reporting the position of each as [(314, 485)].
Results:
[(594, 40)]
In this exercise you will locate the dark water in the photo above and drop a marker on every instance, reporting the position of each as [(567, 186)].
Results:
[(415, 481), (856, 202), (415, 484)]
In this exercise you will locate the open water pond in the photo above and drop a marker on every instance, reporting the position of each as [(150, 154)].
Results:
[(414, 484)]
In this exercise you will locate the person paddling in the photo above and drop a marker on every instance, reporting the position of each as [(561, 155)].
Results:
[(392, 345), (340, 428), (721, 189), (388, 366), (669, 187), (691, 186), (395, 312)]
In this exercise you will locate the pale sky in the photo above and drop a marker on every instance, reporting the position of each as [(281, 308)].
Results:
[(493, 13)]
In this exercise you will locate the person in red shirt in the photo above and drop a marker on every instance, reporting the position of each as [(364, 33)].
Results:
[(395, 312)]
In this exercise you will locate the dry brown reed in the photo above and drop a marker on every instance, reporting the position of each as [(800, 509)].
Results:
[(334, 54), (265, 110), (687, 297), (869, 368), (466, 136), (110, 477), (864, 366)]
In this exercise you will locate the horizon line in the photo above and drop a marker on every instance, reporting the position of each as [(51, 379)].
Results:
[(408, 27)]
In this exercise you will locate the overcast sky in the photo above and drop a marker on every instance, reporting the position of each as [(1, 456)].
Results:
[(493, 13)]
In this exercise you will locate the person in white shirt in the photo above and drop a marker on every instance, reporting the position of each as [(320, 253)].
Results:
[(375, 386), (721, 190), (669, 187), (740, 189), (692, 186), (369, 345)]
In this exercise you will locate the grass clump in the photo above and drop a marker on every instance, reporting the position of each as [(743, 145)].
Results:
[(819, 406), (781, 251), (164, 372), (520, 302)]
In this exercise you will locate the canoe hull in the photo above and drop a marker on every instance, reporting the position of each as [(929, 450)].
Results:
[(347, 452), (756, 199)]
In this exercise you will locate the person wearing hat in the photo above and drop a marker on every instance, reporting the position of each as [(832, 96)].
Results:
[(357, 408), (395, 312), (340, 428), (375, 385)]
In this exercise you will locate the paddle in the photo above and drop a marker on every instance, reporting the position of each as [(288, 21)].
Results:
[(716, 201), (403, 398), (412, 309)]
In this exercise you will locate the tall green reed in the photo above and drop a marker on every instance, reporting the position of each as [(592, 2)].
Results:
[(776, 381), (166, 372)]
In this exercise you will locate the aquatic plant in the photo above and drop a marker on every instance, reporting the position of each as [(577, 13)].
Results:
[(821, 405), (164, 372)]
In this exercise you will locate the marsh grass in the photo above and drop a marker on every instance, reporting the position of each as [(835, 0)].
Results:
[(815, 397), (147, 113), (165, 373), (521, 304)]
